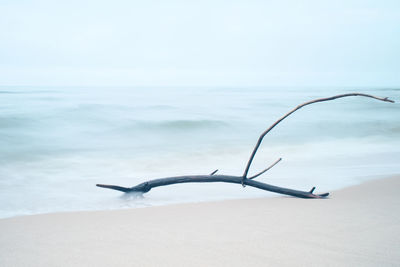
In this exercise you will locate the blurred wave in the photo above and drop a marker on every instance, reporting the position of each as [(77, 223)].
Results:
[(56, 143)]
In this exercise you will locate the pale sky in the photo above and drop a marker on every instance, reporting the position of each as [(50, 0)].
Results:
[(200, 43)]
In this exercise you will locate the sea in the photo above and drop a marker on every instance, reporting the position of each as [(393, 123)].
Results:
[(57, 143)]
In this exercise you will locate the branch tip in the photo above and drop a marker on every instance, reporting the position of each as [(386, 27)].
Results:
[(115, 187), (386, 99)]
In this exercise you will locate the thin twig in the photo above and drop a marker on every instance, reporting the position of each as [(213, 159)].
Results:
[(258, 174)]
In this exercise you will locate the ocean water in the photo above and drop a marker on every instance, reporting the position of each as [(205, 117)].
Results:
[(56, 143)]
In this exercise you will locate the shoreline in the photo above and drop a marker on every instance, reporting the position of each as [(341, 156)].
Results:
[(356, 182), (357, 225)]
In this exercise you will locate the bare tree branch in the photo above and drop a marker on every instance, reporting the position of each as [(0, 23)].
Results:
[(147, 186)]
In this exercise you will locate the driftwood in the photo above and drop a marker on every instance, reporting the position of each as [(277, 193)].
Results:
[(244, 179)]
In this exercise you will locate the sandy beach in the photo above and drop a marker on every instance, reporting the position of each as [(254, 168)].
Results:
[(356, 226), (181, 100)]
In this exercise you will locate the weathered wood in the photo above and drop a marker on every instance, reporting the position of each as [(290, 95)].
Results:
[(147, 186), (243, 180)]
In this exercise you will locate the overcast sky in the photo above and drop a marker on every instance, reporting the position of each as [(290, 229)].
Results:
[(200, 43)]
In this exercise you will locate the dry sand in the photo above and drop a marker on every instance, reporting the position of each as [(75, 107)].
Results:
[(357, 226)]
